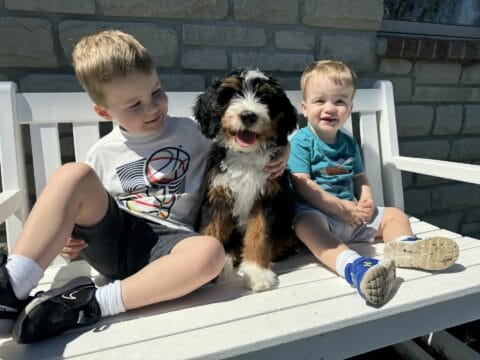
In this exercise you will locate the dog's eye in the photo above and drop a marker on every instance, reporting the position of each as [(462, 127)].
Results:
[(225, 94)]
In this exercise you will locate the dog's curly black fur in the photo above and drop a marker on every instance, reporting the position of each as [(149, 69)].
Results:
[(248, 116)]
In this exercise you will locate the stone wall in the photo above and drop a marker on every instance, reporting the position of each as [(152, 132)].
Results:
[(437, 93)]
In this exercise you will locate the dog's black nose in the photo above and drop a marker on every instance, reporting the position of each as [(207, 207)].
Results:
[(248, 117)]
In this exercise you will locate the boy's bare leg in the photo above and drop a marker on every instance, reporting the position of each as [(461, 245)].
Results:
[(325, 246), (403, 247), (192, 263), (394, 224), (373, 279), (73, 195)]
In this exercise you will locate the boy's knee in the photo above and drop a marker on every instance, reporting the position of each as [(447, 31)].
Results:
[(393, 214), (73, 174), (213, 255), (71, 170)]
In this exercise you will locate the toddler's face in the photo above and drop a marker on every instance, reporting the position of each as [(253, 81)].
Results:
[(327, 107), (137, 101)]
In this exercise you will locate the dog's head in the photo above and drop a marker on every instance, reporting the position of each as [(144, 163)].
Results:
[(246, 111)]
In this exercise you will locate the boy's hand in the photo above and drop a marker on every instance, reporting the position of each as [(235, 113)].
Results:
[(277, 165), (366, 209), (350, 213), (72, 248)]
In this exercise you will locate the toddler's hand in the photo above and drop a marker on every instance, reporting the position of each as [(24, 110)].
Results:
[(365, 209), (72, 248)]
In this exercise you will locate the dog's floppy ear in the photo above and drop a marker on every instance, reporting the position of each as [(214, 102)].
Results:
[(207, 113)]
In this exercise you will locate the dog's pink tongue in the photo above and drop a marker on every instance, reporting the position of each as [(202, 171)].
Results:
[(245, 138)]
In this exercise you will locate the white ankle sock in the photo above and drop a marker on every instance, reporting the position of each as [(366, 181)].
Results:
[(24, 275), (344, 258), (109, 298)]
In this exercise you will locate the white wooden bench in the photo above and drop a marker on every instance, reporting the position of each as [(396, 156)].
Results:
[(312, 314)]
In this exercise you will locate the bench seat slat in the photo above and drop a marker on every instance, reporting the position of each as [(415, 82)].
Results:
[(313, 303)]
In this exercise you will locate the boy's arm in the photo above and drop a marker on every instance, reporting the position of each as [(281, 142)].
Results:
[(322, 200), (276, 166), (363, 192)]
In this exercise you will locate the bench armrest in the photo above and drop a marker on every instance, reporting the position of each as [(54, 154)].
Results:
[(464, 172)]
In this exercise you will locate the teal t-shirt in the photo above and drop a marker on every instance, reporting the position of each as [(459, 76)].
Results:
[(332, 166)]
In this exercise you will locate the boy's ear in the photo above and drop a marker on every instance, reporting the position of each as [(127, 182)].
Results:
[(102, 112), (304, 108)]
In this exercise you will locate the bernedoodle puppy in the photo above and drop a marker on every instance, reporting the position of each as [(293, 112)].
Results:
[(248, 116)]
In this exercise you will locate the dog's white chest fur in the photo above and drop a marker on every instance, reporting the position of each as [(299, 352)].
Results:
[(244, 176)]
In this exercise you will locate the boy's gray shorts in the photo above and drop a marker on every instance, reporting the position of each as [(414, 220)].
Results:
[(121, 244), (346, 233)]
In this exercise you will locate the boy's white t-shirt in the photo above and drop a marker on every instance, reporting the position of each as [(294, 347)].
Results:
[(158, 177)]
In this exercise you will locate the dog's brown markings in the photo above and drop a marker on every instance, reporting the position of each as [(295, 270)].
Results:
[(232, 82), (273, 188), (221, 225), (256, 247)]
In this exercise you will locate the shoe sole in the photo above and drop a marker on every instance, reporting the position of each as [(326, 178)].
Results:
[(378, 282), (435, 253), (21, 332)]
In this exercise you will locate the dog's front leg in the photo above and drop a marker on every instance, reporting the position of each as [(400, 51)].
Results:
[(220, 222), (257, 254)]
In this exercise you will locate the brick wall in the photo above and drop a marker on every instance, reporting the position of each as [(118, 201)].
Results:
[(436, 83)]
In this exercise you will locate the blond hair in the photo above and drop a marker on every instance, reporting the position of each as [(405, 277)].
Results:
[(100, 57), (336, 71)]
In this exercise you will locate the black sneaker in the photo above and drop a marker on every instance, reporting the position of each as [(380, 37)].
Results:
[(52, 312), (10, 306)]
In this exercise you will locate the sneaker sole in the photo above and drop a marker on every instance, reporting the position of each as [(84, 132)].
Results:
[(378, 282), (21, 332), (435, 253)]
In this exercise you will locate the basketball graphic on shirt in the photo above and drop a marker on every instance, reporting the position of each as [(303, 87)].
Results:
[(166, 166)]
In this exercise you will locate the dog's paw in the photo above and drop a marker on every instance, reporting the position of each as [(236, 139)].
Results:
[(229, 272), (257, 278)]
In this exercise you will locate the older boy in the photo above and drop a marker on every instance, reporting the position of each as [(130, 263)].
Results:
[(134, 203), (335, 206)]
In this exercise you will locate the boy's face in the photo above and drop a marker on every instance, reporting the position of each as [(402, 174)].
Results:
[(137, 102), (327, 107)]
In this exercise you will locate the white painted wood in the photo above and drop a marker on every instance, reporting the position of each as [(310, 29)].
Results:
[(45, 153), (10, 201), (439, 168), (449, 346), (12, 159), (371, 154), (392, 180), (310, 303), (55, 108), (411, 351), (84, 136), (312, 311)]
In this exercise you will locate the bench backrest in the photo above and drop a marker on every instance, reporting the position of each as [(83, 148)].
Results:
[(43, 112)]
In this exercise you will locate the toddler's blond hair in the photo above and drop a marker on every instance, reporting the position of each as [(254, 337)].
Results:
[(102, 56), (336, 71)]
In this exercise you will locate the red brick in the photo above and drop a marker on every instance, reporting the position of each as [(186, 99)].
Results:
[(394, 46), (410, 47), (457, 50), (441, 49), (472, 51), (426, 48)]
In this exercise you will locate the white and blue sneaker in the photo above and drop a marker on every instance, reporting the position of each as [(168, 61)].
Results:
[(434, 253), (373, 279)]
